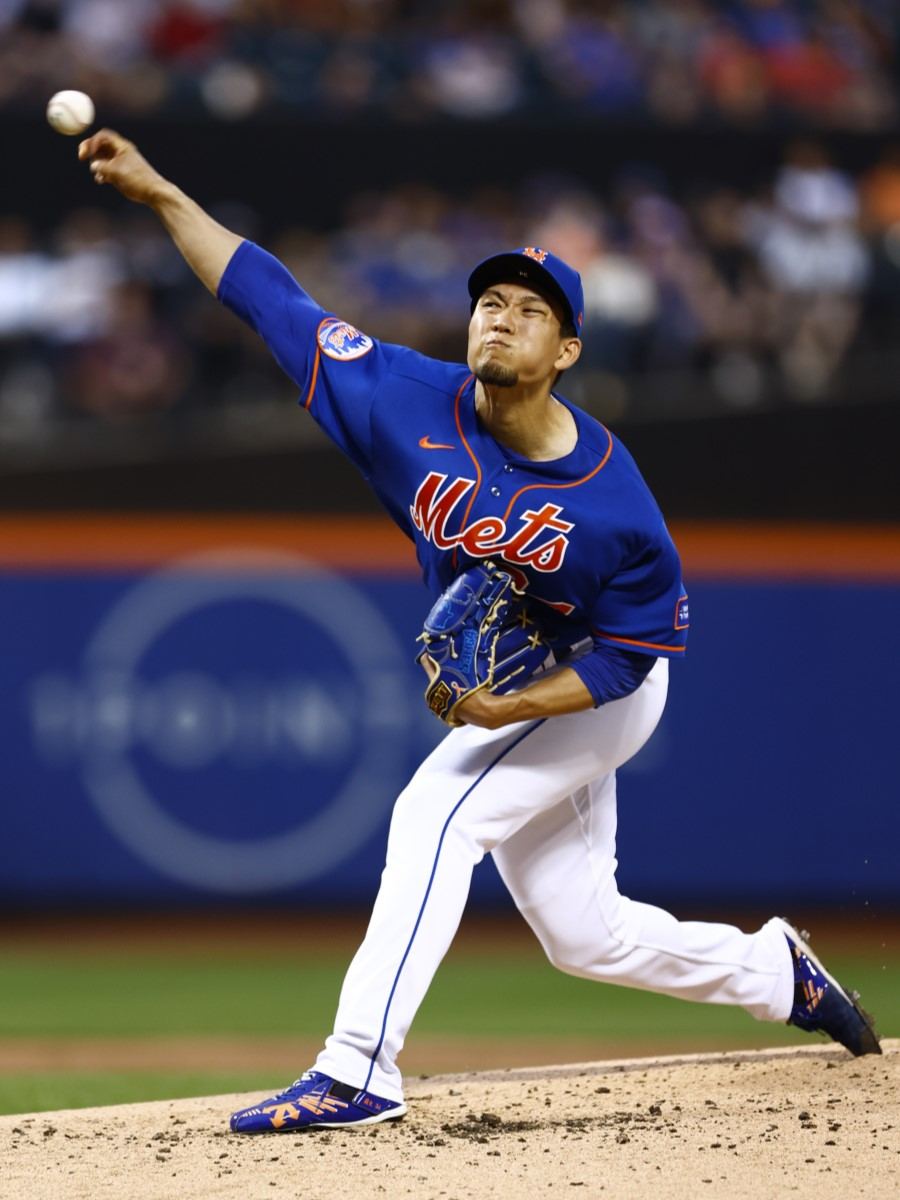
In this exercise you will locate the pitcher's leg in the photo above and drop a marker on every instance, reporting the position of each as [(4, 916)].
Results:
[(560, 869), (432, 849), (472, 792)]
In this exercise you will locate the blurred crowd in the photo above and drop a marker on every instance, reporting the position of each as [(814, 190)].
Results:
[(782, 296), (832, 63)]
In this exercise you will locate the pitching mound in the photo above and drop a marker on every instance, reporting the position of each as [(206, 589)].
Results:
[(754, 1125)]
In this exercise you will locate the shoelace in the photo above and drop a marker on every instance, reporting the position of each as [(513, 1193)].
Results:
[(304, 1078)]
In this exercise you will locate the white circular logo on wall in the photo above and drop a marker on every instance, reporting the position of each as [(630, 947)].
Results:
[(187, 719)]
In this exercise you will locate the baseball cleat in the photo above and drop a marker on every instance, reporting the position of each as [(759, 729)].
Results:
[(820, 1003), (315, 1100)]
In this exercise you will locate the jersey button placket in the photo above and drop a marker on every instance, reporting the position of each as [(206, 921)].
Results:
[(495, 491)]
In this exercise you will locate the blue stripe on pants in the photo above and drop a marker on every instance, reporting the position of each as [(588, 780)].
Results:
[(456, 808)]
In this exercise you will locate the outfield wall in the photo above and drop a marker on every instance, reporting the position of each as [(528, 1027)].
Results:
[(214, 710)]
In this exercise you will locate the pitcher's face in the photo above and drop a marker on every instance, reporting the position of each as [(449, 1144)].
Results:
[(516, 336)]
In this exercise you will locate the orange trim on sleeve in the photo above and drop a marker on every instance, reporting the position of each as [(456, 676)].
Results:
[(315, 374), (572, 483), (475, 462), (633, 642)]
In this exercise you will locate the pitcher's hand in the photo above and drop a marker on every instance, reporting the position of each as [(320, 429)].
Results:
[(113, 159)]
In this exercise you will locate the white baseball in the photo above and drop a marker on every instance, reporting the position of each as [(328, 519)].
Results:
[(70, 112)]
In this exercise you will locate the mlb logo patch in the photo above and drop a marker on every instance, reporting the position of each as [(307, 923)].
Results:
[(682, 616), (341, 341)]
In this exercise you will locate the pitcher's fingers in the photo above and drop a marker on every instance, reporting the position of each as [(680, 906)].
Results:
[(103, 144)]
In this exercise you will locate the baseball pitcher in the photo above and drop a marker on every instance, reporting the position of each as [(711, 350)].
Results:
[(557, 604)]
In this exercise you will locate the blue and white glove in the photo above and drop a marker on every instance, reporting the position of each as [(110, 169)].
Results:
[(477, 635)]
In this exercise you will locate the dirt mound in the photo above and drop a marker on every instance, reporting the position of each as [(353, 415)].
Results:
[(754, 1125)]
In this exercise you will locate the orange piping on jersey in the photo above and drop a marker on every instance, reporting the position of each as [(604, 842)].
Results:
[(632, 642), (572, 483), (315, 374), (315, 379), (475, 463)]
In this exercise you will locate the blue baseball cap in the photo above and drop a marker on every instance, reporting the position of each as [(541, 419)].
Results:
[(540, 268)]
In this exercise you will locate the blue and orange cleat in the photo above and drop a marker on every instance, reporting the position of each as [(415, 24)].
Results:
[(315, 1100), (820, 1003)]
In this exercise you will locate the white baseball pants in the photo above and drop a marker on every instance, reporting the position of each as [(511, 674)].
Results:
[(541, 797)]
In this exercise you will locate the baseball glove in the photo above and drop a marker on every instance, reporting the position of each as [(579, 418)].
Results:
[(477, 635)]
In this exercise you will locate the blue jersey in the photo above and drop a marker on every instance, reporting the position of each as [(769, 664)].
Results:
[(582, 533)]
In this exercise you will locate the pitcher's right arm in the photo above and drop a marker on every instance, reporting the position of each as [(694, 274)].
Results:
[(206, 246)]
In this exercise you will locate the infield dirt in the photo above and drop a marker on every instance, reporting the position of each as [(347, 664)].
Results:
[(754, 1125)]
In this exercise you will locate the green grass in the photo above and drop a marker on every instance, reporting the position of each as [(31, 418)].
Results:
[(513, 992), (87, 995)]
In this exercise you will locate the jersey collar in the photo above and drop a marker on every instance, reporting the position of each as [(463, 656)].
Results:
[(592, 447)]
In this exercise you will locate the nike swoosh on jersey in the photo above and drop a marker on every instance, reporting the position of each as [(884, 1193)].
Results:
[(427, 444)]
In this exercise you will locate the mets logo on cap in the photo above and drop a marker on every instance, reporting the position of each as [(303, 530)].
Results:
[(344, 342), (536, 253)]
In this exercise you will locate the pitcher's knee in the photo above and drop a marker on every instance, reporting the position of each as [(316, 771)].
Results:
[(584, 954), (601, 937)]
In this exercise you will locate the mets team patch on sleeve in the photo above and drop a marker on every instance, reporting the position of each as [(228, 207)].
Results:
[(682, 616), (344, 342)]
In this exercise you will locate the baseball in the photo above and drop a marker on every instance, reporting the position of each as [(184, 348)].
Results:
[(70, 112)]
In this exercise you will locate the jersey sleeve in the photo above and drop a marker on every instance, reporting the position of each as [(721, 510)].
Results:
[(644, 606), (337, 368), (610, 672)]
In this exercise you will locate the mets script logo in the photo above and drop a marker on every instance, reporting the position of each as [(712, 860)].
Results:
[(536, 253), (342, 341), (539, 541)]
